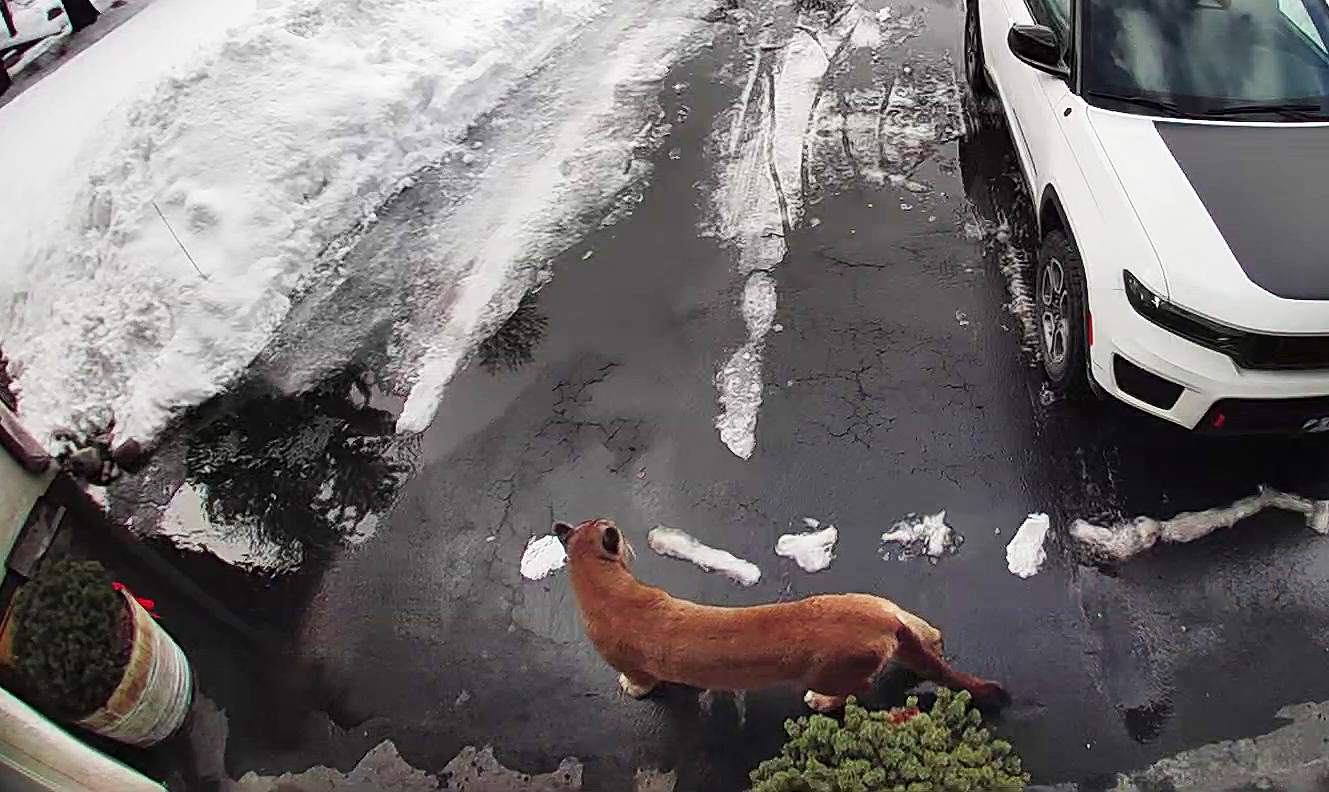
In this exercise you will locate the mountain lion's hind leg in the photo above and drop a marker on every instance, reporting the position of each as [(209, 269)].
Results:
[(637, 685)]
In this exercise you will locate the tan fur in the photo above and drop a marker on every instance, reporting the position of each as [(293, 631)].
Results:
[(834, 645)]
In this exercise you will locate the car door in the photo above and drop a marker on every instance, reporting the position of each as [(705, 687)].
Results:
[(1036, 100)]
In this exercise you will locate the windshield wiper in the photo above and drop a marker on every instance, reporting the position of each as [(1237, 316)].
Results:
[(1292, 112), (1160, 105)]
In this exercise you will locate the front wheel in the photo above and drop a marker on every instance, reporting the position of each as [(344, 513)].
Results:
[(974, 71), (1062, 315)]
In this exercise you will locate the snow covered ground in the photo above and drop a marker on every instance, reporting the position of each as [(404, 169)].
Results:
[(199, 170)]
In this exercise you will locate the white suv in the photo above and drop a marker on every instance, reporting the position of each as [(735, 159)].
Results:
[(1177, 152), (31, 29)]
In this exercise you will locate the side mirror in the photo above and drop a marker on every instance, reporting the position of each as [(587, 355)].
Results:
[(1037, 46)]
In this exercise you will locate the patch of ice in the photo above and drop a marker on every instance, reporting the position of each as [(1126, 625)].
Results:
[(924, 535), (678, 544), (1132, 537), (1024, 553), (812, 523), (542, 557), (813, 551), (186, 523)]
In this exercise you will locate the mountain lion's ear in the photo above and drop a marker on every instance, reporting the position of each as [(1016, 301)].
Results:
[(563, 531), (611, 541)]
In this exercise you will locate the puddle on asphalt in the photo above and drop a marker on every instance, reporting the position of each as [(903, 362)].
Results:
[(272, 483)]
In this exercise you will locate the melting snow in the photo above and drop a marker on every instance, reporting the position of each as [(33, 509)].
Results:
[(674, 543), (923, 535), (1025, 554), (1014, 265), (265, 136), (187, 524), (1131, 537), (813, 551), (542, 557), (740, 380), (760, 197)]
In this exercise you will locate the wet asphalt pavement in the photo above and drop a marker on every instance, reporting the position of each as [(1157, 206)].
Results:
[(897, 383)]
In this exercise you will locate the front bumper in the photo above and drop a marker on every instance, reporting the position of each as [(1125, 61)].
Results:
[(1211, 385)]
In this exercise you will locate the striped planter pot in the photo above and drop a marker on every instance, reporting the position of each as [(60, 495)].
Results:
[(154, 697)]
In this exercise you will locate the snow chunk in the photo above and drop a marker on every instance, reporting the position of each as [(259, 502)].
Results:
[(542, 557), (1025, 554), (673, 543), (1132, 537), (813, 551), (923, 535)]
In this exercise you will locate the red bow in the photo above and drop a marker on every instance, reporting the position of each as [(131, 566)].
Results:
[(147, 604)]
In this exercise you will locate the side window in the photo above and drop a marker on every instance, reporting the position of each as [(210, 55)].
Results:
[(1295, 12)]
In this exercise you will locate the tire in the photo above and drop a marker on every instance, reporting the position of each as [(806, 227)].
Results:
[(1061, 315), (81, 13), (975, 71)]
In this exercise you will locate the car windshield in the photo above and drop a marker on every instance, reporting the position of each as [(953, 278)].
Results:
[(1202, 57)]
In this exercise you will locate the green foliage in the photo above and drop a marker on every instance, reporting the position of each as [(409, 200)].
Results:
[(69, 638), (903, 750)]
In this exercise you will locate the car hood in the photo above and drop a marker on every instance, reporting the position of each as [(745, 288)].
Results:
[(1234, 213)]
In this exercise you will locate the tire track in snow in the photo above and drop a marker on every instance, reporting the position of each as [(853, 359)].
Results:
[(761, 197)]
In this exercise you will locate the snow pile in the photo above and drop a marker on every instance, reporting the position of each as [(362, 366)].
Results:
[(674, 543), (1024, 553), (811, 550), (542, 557), (927, 535), (187, 524), (1132, 537), (193, 207)]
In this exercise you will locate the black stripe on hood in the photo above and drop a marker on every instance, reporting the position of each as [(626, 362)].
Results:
[(1267, 190)]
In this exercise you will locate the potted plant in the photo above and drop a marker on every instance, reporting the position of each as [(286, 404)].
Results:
[(84, 651), (901, 750)]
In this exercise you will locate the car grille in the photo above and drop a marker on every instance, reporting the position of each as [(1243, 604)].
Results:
[(1282, 353)]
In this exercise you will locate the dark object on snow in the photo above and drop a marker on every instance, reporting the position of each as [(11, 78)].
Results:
[(81, 13), (513, 344), (71, 638), (91, 458), (7, 395)]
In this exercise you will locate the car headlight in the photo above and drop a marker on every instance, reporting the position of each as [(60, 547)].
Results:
[(1205, 332)]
